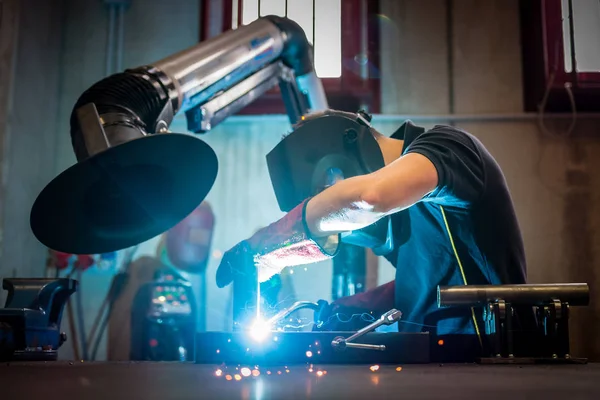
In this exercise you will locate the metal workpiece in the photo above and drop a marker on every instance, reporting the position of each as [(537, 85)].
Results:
[(576, 294)]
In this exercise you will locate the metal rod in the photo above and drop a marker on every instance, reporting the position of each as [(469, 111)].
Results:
[(379, 347), (576, 294), (110, 39), (234, 14), (572, 43), (364, 40), (81, 318), (450, 53), (388, 318), (314, 23), (120, 37), (366, 330)]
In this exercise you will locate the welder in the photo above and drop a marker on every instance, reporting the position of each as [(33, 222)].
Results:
[(453, 223)]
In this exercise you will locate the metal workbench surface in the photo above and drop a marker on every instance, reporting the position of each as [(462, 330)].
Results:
[(112, 381)]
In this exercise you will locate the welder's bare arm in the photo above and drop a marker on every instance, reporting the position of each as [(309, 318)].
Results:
[(360, 201)]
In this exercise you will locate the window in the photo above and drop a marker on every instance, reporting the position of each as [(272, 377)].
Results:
[(322, 26), (560, 54), (345, 36), (586, 34)]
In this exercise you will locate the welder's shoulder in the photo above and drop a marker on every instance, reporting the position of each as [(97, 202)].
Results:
[(451, 136), (451, 146), (460, 161)]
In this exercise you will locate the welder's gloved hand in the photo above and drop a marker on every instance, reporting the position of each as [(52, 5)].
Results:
[(355, 312), (284, 243)]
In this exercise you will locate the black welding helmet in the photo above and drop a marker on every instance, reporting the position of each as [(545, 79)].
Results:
[(322, 149)]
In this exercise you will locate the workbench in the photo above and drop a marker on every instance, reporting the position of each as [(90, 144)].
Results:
[(147, 381)]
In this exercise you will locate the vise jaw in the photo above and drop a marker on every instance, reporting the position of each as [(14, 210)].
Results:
[(30, 320)]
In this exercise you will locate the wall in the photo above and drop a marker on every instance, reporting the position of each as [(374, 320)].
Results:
[(152, 30), (9, 26), (30, 127), (553, 179)]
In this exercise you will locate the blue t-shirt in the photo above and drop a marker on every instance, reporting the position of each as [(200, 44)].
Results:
[(474, 197)]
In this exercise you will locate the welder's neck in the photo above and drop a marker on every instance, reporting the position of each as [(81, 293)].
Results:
[(390, 148)]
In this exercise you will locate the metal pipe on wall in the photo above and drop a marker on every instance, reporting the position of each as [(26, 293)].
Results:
[(364, 40), (115, 35), (110, 39), (120, 37), (450, 55)]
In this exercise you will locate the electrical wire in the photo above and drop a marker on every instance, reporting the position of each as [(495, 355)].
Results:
[(73, 331), (114, 292), (100, 335), (546, 131), (97, 321), (118, 284), (72, 324), (80, 317), (365, 317)]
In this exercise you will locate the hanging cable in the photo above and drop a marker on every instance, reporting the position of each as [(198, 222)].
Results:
[(97, 321), (120, 37), (541, 120), (314, 23), (110, 38), (450, 57), (572, 43), (80, 316), (72, 325), (118, 284)]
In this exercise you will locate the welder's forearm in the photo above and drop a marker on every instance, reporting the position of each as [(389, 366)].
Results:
[(358, 202), (341, 208)]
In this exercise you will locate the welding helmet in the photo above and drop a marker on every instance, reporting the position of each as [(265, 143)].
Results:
[(322, 149)]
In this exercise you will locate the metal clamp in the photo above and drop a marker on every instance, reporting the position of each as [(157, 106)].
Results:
[(340, 343)]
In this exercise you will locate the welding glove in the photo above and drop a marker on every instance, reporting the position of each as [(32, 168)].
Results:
[(352, 313), (284, 243)]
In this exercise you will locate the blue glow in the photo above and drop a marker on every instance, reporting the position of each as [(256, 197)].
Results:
[(260, 330)]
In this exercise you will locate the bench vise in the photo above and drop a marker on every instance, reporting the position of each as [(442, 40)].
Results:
[(30, 319)]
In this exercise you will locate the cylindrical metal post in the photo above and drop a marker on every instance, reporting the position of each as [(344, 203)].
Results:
[(576, 294)]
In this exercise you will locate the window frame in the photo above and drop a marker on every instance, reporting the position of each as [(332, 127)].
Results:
[(345, 93), (543, 53)]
